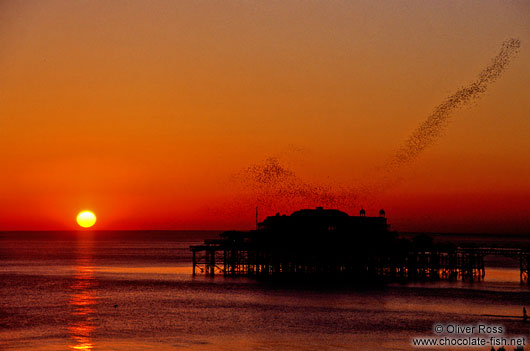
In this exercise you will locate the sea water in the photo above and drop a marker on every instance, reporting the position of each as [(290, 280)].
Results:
[(135, 291)]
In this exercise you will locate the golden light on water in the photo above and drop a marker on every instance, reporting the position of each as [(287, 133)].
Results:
[(86, 219), (83, 300)]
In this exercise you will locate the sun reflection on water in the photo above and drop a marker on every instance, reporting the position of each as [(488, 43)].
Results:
[(83, 300)]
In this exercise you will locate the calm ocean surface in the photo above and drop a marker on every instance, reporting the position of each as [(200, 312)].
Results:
[(134, 291)]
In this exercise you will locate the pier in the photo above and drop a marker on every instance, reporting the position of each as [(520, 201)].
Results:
[(330, 244)]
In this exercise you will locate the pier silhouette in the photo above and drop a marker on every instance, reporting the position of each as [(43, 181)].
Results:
[(330, 244)]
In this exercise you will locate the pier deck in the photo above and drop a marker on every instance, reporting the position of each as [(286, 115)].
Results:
[(330, 243)]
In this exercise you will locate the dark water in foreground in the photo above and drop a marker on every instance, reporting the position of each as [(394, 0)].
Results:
[(134, 291)]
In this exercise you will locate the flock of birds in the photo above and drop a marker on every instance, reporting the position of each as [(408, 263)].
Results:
[(432, 128), (275, 187)]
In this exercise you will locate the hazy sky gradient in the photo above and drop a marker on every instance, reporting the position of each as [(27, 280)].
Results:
[(144, 111)]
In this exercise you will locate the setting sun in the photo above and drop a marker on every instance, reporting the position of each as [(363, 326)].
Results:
[(86, 219)]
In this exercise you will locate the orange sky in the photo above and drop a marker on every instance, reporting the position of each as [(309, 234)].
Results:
[(148, 112)]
